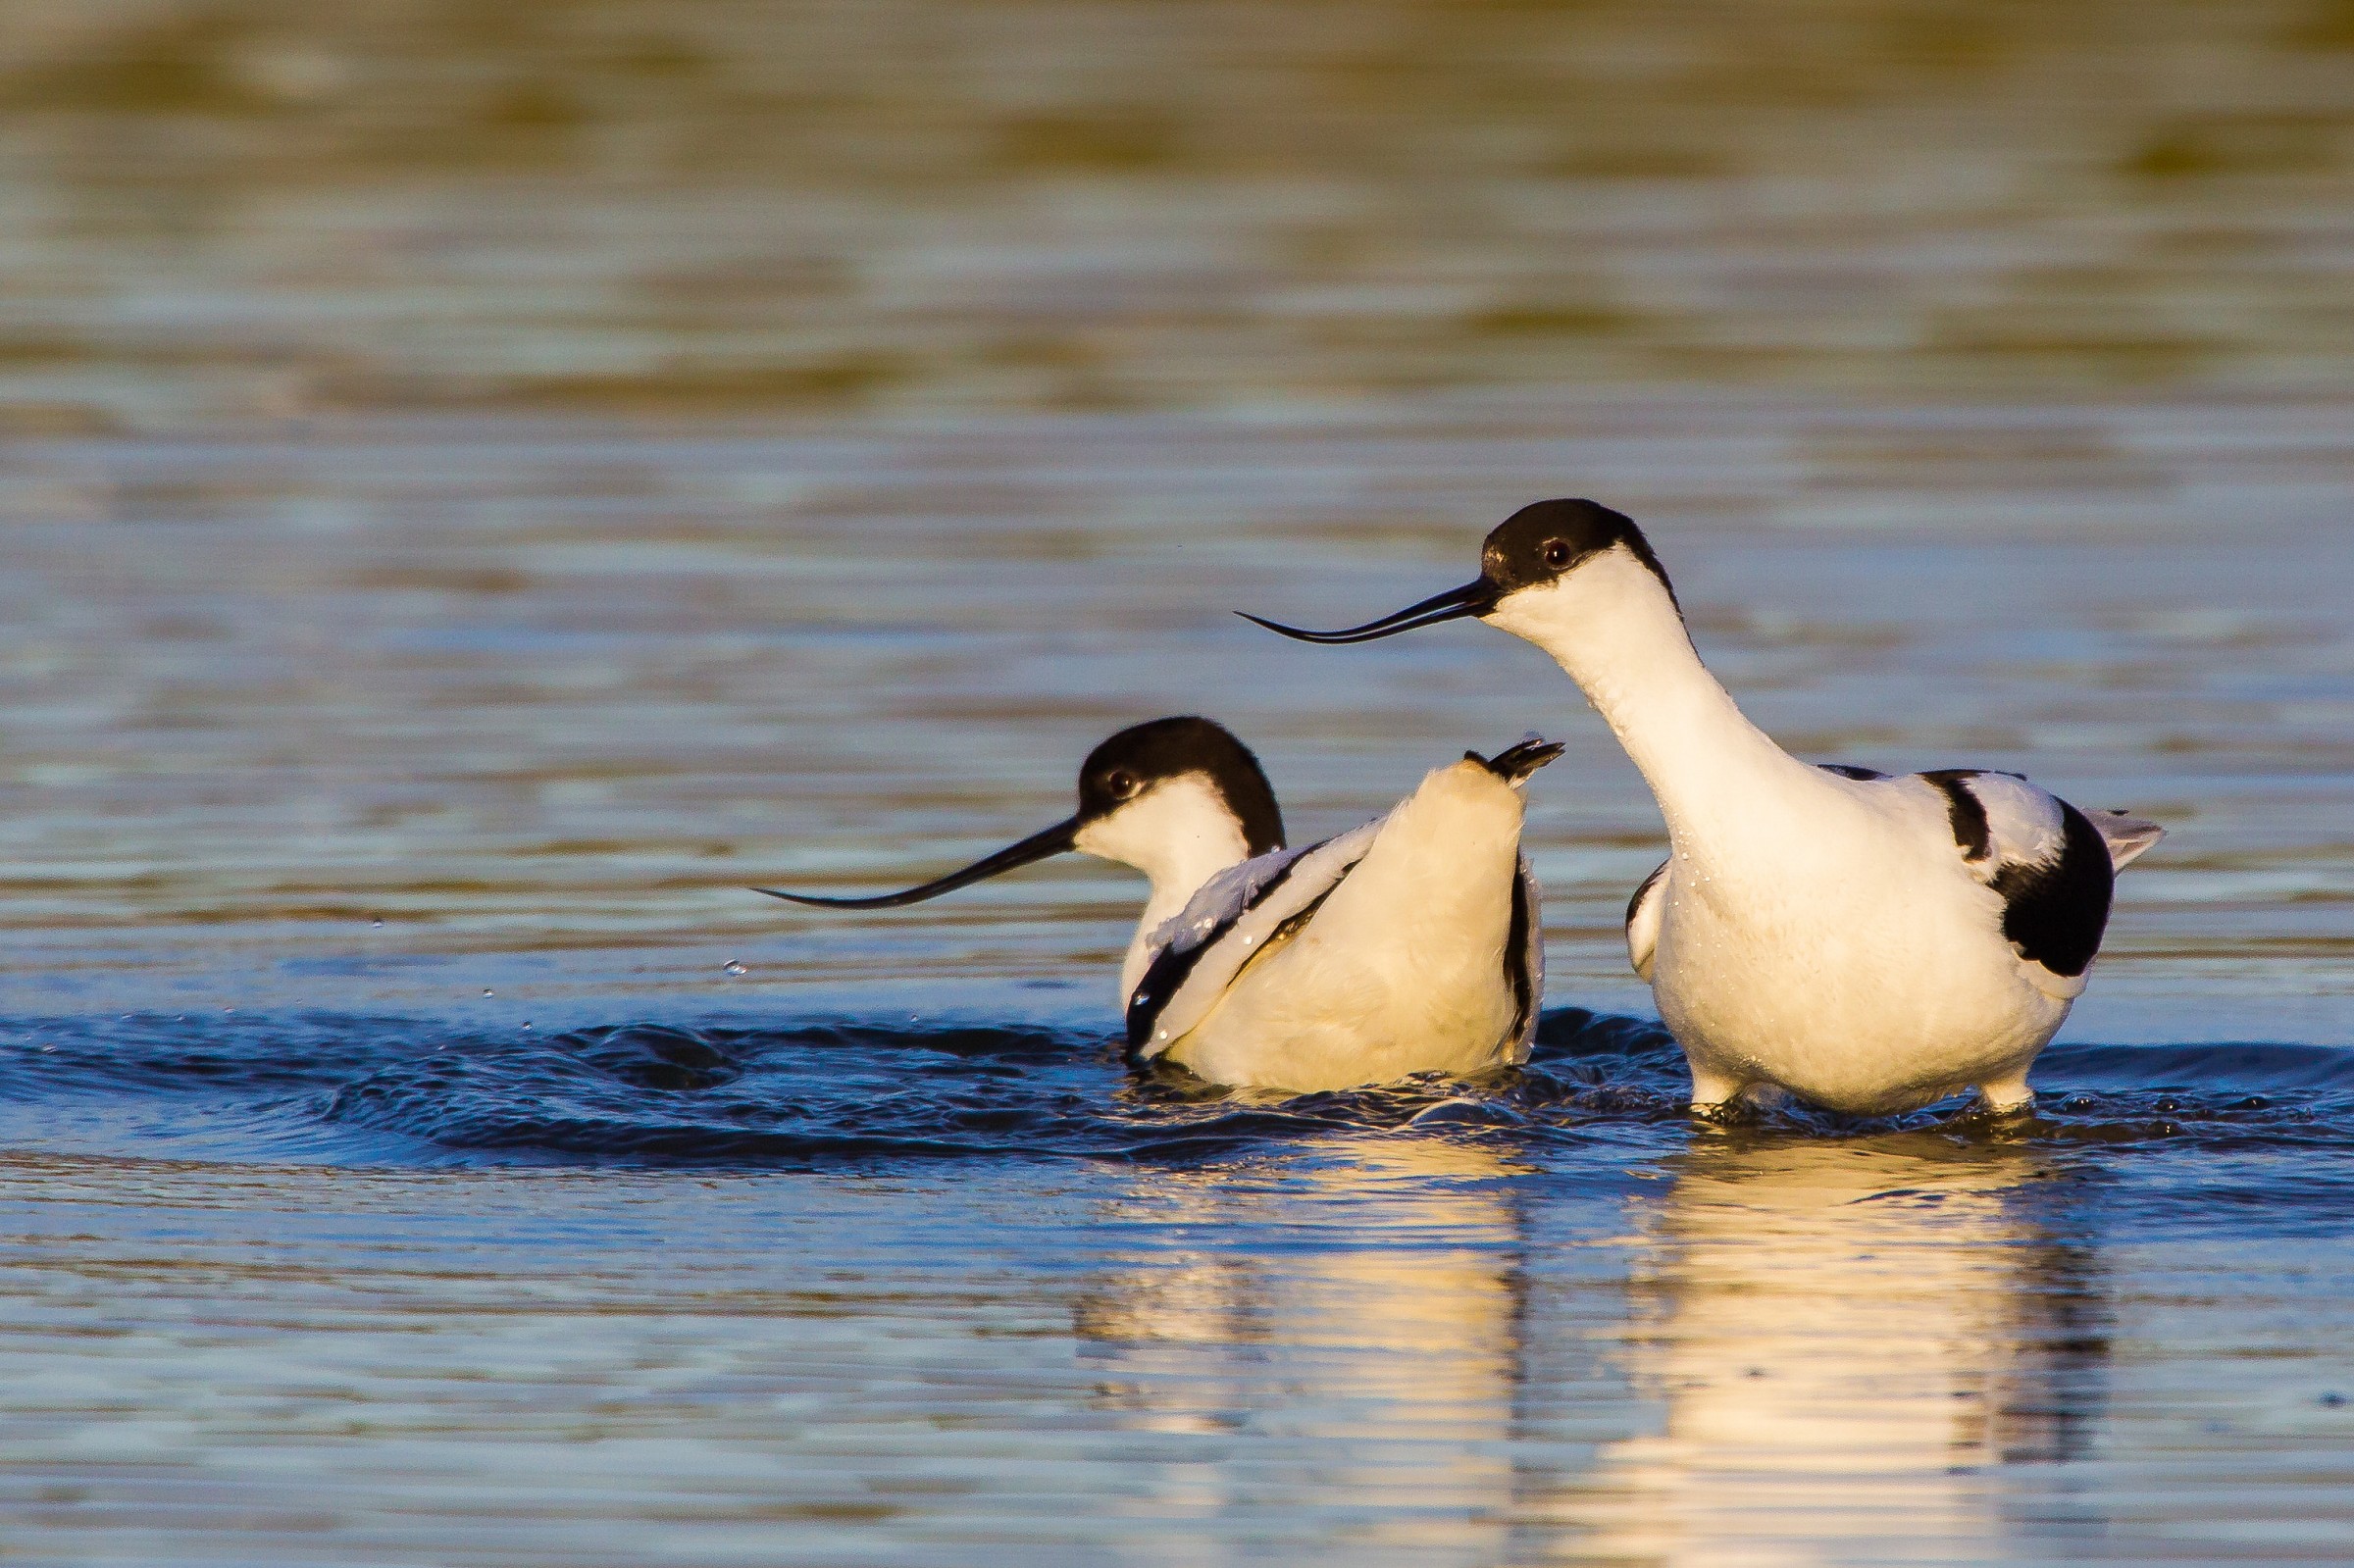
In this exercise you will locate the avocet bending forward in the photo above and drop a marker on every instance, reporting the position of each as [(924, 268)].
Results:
[(1410, 946), (1869, 943)]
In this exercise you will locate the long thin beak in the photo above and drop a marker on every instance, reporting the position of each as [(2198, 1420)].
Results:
[(1037, 846), (1476, 598)]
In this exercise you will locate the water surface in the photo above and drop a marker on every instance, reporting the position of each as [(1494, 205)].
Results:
[(333, 1288)]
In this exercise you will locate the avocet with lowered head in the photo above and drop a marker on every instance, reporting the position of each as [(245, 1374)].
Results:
[(1408, 946)]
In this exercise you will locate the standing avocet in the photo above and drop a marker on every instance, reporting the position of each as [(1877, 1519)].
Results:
[(1869, 943), (1408, 946)]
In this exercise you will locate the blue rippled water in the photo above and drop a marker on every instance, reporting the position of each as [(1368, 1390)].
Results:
[(315, 1287), (840, 1094)]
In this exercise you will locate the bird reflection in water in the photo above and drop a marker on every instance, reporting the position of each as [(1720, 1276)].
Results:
[(1849, 1338), (1359, 1309), (1839, 1344)]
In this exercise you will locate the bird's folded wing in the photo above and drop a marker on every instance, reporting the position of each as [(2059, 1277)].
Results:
[(2021, 824), (1237, 915), (2052, 866)]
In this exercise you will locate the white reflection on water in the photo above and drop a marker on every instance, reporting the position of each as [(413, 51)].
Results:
[(1392, 1321), (1410, 1290), (1845, 1348), (1375, 1347), (1849, 1340)]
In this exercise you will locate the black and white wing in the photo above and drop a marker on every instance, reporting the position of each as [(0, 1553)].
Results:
[(1239, 914), (2053, 866)]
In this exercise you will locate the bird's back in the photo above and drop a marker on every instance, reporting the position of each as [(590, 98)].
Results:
[(1413, 957)]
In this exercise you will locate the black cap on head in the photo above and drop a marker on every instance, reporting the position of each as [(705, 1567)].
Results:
[(1142, 755), (1547, 540), (1536, 545)]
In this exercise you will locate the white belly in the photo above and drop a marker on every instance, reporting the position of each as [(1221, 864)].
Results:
[(1400, 971), (1872, 993)]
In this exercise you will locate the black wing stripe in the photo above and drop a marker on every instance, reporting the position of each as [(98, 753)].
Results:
[(1516, 955), (1167, 973), (1848, 770), (2056, 913), (1169, 970), (1643, 889), (1140, 1030), (1966, 811)]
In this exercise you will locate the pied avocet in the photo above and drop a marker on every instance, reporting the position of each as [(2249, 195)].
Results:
[(1870, 943), (1408, 946)]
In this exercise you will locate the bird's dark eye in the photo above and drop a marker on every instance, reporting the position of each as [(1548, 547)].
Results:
[(1556, 552), (1121, 784)]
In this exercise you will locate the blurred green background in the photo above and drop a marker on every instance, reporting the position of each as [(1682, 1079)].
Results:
[(272, 209)]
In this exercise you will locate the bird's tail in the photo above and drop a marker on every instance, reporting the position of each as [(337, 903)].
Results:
[(1516, 763), (2127, 837)]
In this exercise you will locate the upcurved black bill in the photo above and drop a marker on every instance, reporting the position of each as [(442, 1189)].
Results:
[(1476, 598), (1037, 846)]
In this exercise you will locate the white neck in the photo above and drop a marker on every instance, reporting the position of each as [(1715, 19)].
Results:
[(1179, 834), (1612, 624)]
